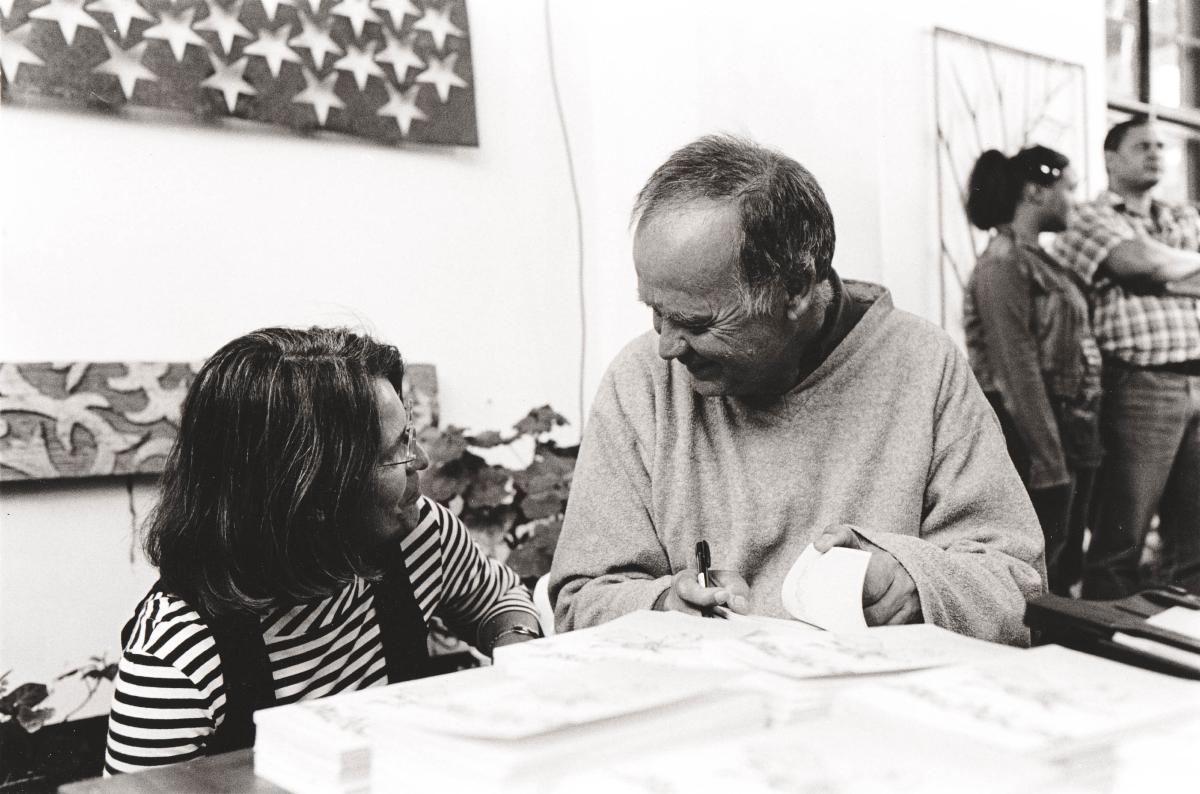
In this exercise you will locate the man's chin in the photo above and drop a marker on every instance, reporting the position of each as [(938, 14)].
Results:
[(709, 387)]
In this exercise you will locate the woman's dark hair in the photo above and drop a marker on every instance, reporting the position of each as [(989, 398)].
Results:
[(997, 181), (264, 492)]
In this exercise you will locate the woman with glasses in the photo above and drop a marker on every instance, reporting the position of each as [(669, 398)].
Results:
[(1030, 344), (297, 557)]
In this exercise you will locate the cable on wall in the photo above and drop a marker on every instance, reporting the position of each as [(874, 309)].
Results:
[(133, 519), (562, 124)]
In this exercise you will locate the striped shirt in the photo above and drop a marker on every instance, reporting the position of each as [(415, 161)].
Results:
[(169, 693), (1142, 330)]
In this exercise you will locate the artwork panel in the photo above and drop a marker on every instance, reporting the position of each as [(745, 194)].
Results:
[(81, 419), (385, 70), (990, 96)]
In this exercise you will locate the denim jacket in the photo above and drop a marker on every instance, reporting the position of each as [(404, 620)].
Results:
[(1029, 340)]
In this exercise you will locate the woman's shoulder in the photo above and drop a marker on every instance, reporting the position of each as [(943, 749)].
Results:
[(1000, 250), (166, 626)]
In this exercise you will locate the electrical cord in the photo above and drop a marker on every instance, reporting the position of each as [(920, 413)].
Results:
[(562, 123)]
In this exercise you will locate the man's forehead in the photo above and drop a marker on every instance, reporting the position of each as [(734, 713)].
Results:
[(1145, 133)]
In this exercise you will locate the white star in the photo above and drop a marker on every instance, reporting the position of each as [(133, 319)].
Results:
[(316, 39), (440, 74), (361, 62), (400, 54), (402, 106), (126, 65), (319, 93), (14, 50), (437, 23), (228, 80), (6, 8), (69, 15), (358, 12), (271, 6), (272, 45), (176, 30), (123, 12), (396, 10), (225, 24)]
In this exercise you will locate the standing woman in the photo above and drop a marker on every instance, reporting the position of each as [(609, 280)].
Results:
[(1030, 344), (297, 556)]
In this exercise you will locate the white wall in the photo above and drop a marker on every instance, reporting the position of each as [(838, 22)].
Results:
[(160, 242)]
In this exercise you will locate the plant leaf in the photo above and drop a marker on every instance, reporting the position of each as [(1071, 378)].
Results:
[(33, 719), (538, 421), (108, 672), (25, 696), (490, 488), (443, 445), (487, 439)]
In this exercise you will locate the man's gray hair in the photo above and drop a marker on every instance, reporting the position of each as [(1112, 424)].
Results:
[(787, 234)]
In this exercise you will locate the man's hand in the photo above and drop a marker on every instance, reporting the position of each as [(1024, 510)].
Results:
[(889, 594), (686, 595)]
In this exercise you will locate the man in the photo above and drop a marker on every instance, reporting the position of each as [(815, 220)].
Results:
[(776, 406), (1140, 256)]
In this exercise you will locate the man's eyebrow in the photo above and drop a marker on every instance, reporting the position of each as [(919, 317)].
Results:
[(680, 318)]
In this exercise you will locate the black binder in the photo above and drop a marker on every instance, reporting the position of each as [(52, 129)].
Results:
[(1089, 626)]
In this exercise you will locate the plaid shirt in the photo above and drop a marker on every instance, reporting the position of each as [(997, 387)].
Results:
[(1143, 330)]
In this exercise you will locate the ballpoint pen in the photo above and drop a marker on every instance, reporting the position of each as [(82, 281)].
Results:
[(703, 560)]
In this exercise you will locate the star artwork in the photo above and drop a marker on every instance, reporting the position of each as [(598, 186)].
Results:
[(387, 70)]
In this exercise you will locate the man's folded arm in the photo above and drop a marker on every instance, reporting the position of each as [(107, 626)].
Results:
[(608, 561), (980, 554)]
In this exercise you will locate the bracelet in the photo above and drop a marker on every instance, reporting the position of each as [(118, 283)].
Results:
[(516, 628)]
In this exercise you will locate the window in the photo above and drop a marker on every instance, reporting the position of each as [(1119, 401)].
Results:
[(1153, 51)]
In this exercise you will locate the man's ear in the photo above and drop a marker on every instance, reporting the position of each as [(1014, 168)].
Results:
[(796, 305)]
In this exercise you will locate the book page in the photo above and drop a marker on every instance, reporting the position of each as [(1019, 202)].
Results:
[(826, 589)]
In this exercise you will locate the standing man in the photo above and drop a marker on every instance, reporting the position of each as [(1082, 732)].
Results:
[(775, 405), (1140, 255)]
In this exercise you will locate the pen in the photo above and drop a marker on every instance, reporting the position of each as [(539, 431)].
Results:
[(703, 560)]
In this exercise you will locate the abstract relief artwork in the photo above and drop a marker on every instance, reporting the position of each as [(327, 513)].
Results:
[(993, 97), (77, 419), (387, 70)]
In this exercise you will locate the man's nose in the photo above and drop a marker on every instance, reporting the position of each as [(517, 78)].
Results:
[(671, 341)]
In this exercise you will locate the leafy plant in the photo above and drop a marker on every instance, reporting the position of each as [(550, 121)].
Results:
[(515, 514), (23, 703)]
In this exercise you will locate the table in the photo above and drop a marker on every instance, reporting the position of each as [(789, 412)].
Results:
[(228, 773), (813, 736)]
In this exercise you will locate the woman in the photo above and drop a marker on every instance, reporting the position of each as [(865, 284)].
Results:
[(1031, 347), (297, 556)]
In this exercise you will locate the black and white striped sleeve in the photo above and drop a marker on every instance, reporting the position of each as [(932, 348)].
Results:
[(168, 694), (453, 577)]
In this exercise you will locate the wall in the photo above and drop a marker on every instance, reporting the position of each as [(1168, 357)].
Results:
[(464, 257)]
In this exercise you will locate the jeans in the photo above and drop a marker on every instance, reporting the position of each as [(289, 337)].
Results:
[(1150, 424), (1062, 511)]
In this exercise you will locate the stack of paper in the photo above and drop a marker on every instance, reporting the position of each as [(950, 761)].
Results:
[(823, 755), (1049, 703), (494, 727), (316, 746), (498, 730), (795, 666)]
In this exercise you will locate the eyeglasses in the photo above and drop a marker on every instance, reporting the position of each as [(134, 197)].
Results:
[(406, 449)]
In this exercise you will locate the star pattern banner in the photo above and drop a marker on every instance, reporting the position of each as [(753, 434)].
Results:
[(388, 70)]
